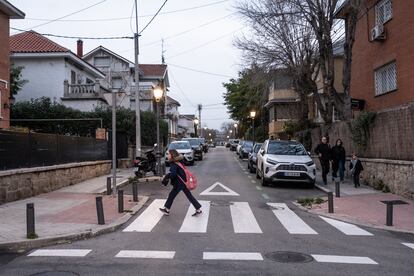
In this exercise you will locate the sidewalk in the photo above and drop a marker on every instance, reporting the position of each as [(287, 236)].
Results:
[(363, 206), (66, 214)]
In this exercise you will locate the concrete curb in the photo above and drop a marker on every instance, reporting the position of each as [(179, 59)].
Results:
[(353, 220), (26, 245)]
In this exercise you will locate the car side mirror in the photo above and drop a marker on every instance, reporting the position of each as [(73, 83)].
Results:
[(309, 153)]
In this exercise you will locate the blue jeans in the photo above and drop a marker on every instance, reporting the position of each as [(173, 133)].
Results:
[(338, 166)]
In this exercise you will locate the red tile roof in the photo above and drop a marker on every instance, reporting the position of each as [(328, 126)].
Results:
[(32, 42), (153, 69)]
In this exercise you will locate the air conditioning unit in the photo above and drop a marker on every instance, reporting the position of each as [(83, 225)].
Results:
[(378, 33)]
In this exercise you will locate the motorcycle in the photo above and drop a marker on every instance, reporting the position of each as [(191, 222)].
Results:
[(142, 165)]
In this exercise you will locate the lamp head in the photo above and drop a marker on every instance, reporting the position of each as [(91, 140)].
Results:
[(253, 114), (196, 121), (158, 93)]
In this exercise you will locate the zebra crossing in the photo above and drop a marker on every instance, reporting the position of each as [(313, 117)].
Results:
[(243, 220)]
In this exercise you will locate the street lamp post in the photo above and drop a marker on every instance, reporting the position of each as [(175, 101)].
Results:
[(158, 93), (205, 131), (252, 115), (235, 131)]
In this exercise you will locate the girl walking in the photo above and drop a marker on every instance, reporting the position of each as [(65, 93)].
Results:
[(177, 177)]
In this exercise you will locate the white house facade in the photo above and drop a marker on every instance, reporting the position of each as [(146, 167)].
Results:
[(172, 117)]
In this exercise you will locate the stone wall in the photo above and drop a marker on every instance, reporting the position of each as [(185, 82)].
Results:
[(22, 183)]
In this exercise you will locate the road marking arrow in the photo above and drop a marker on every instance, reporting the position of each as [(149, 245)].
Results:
[(228, 192)]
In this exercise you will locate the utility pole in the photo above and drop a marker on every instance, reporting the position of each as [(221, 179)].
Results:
[(113, 143), (137, 104), (162, 52), (199, 118)]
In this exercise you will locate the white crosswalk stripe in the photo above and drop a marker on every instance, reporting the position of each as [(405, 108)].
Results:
[(141, 254), (243, 218), (148, 219), (197, 224), (343, 259), (60, 253), (292, 222), (347, 228)]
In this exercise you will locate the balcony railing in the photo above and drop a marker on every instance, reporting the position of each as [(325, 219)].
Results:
[(82, 91)]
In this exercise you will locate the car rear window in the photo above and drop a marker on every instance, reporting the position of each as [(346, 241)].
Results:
[(183, 145)]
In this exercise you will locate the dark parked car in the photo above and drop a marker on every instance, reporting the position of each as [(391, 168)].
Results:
[(251, 162), (196, 146), (245, 149), (233, 144)]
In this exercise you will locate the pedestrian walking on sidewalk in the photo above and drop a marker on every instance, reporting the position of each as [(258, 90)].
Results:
[(323, 150), (356, 167), (178, 178), (338, 160)]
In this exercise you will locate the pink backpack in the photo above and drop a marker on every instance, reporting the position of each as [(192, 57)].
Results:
[(191, 182)]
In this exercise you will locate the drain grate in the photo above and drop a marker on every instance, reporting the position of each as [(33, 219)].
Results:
[(56, 273), (220, 203), (289, 257)]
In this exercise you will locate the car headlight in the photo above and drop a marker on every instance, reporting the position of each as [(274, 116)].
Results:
[(310, 163), (271, 161)]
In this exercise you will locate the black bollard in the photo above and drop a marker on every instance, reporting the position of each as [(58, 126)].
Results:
[(337, 188), (330, 203), (135, 191), (100, 211), (108, 186), (30, 221), (120, 201), (389, 214)]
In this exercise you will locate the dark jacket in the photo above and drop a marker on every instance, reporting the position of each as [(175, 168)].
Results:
[(325, 150), (338, 153), (358, 167), (174, 175)]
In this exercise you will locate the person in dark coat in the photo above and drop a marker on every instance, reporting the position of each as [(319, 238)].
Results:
[(177, 177), (338, 160), (355, 166), (323, 150)]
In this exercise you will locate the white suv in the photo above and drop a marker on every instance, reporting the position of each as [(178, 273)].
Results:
[(284, 161)]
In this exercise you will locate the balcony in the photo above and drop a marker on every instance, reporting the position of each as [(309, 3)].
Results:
[(83, 91)]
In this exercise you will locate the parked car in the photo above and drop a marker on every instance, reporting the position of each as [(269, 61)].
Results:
[(238, 148), (184, 148), (251, 162), (228, 145), (233, 144), (196, 146), (245, 149), (285, 161)]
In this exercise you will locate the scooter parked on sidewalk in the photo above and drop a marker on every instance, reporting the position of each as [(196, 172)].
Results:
[(142, 165)]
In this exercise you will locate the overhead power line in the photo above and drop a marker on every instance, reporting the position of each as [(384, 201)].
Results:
[(199, 71), (125, 18), (70, 14), (179, 89), (155, 15), (77, 37)]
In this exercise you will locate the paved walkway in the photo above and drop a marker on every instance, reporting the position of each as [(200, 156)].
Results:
[(363, 205), (67, 213)]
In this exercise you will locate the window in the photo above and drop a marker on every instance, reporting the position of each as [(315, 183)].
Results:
[(101, 61), (72, 77), (386, 79), (383, 12), (116, 83)]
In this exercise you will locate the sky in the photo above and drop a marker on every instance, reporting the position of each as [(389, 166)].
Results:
[(198, 35)]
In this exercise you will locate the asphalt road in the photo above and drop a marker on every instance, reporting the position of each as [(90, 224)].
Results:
[(236, 235)]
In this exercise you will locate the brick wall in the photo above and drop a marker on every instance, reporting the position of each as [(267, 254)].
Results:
[(370, 55), (4, 69), (23, 183)]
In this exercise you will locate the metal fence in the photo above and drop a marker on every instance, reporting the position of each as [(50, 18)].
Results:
[(24, 150)]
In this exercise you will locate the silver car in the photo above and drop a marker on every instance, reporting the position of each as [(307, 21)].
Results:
[(285, 161), (184, 148)]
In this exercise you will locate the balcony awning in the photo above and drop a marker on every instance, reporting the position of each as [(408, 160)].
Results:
[(280, 101)]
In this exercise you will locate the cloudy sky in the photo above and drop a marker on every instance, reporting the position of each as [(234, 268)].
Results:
[(198, 36)]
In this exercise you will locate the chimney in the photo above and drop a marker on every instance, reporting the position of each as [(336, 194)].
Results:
[(79, 51)]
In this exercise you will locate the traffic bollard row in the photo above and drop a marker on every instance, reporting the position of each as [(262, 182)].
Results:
[(135, 191), (330, 203), (30, 221), (120, 201), (100, 211)]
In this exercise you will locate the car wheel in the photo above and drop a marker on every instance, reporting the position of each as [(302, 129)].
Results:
[(257, 174), (251, 170), (201, 157), (192, 163), (264, 181), (312, 184)]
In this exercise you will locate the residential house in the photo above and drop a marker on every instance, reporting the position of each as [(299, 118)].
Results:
[(172, 117), (120, 75), (283, 103), (7, 12), (186, 125), (382, 55), (54, 71)]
